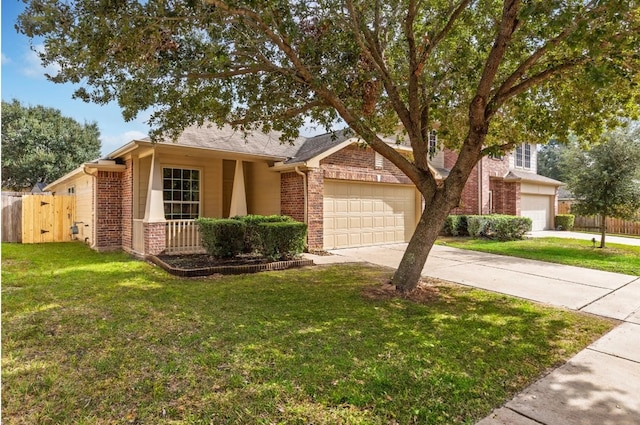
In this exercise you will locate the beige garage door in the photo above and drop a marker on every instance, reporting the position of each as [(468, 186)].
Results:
[(359, 214), (538, 209)]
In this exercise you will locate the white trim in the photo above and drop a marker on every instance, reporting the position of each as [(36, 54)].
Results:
[(200, 186)]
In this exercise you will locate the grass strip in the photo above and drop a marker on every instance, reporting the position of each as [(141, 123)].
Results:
[(574, 252)]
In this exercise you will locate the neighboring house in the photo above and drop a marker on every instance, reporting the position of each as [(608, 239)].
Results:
[(144, 197), (38, 188)]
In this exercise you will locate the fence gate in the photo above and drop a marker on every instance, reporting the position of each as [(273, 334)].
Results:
[(47, 218)]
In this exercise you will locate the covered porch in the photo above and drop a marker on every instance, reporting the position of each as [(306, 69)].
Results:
[(170, 187)]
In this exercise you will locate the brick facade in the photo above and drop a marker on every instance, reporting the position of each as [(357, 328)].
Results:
[(154, 238), (315, 212), (483, 192), (292, 195), (358, 164), (506, 196), (353, 163), (108, 210)]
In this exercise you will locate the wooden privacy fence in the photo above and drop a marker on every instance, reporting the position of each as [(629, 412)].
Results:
[(47, 218), (614, 225), (12, 216)]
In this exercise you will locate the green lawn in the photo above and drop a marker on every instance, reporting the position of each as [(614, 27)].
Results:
[(614, 258), (100, 338)]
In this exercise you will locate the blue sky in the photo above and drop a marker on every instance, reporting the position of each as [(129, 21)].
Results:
[(23, 79)]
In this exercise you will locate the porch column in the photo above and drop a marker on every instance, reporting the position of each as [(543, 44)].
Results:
[(238, 195), (154, 223), (154, 209)]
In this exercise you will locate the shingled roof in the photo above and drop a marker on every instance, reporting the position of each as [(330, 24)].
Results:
[(226, 139)]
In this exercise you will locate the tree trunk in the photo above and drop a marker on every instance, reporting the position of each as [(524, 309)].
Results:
[(433, 217), (603, 230)]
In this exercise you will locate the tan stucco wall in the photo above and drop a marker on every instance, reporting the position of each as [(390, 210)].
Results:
[(83, 186), (210, 180), (263, 189)]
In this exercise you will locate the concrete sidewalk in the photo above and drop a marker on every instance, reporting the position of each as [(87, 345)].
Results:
[(598, 386)]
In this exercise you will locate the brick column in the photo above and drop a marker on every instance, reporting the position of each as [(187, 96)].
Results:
[(292, 202), (108, 211), (154, 238), (315, 210), (292, 196)]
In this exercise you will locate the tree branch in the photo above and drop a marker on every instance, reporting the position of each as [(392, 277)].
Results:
[(288, 113), (375, 56), (508, 26), (535, 56), (230, 73), (432, 44), (525, 85)]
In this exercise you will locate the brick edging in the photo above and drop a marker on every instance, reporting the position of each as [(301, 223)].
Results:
[(207, 271)]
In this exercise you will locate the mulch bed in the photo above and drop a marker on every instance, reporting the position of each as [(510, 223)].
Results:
[(198, 261), (193, 265)]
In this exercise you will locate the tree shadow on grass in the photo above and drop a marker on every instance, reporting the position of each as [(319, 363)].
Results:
[(292, 346)]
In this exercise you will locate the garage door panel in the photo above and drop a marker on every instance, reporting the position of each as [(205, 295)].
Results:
[(359, 214), (341, 223), (538, 209)]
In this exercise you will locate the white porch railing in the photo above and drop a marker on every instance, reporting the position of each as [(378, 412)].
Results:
[(183, 237)]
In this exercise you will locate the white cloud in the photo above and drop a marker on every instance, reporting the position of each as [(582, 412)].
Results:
[(111, 143), (33, 65), (6, 59)]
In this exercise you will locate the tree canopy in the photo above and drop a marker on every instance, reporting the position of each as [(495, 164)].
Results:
[(39, 144), (550, 160), (488, 74), (605, 180)]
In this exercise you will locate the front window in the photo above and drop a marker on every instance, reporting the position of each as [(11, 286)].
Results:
[(181, 193), (519, 156), (523, 156), (527, 155)]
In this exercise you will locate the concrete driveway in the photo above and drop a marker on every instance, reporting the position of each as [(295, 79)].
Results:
[(598, 386)]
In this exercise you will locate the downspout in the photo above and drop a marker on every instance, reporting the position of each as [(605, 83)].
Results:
[(94, 201), (304, 191)]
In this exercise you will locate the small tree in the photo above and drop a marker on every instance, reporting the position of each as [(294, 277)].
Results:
[(39, 144), (606, 179)]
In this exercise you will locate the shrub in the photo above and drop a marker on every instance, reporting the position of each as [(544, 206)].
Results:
[(252, 238), (455, 225), (281, 240), (222, 238), (565, 221), (499, 227)]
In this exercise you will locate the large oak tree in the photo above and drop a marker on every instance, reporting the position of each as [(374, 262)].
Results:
[(39, 144), (488, 73)]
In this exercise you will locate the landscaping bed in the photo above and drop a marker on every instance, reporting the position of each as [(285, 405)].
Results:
[(193, 265)]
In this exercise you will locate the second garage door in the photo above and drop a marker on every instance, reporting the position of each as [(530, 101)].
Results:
[(538, 209), (359, 214)]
